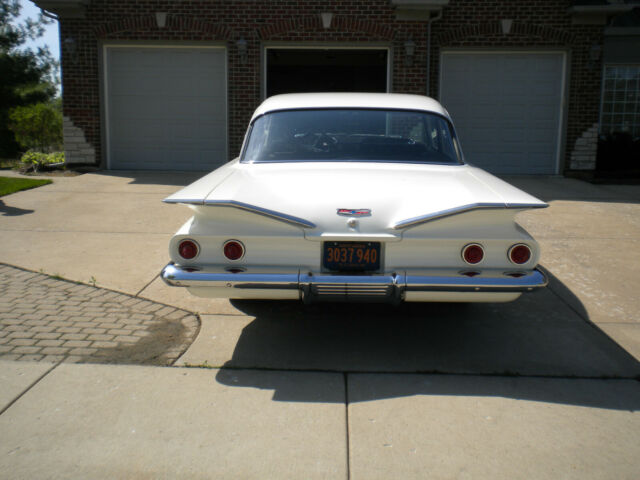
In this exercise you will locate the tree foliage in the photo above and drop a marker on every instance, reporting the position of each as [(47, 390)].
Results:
[(37, 126), (28, 76)]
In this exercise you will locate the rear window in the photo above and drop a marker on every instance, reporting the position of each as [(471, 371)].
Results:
[(351, 135)]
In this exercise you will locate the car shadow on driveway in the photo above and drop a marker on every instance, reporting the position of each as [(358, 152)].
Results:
[(542, 335)]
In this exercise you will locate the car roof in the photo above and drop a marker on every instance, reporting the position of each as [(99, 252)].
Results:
[(396, 101)]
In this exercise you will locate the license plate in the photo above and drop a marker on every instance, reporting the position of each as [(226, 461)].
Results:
[(351, 256)]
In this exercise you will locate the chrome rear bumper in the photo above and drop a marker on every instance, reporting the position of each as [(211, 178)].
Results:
[(382, 287)]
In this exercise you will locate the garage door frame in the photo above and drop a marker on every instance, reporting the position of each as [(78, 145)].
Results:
[(321, 46), (562, 123), (104, 72)]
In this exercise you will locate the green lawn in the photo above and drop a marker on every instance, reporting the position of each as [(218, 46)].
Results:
[(12, 185)]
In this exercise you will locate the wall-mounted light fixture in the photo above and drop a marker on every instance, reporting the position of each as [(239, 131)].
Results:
[(326, 19), (241, 44), (409, 52), (594, 55), (161, 19), (506, 25), (70, 47)]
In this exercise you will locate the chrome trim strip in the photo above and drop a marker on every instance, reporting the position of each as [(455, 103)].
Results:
[(411, 222), (185, 201), (283, 217), (527, 205), (448, 281), (529, 281), (354, 280), (177, 276)]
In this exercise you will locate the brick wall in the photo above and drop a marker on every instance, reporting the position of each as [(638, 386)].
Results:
[(465, 23)]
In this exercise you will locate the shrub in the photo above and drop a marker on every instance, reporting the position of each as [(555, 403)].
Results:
[(33, 160), (37, 126)]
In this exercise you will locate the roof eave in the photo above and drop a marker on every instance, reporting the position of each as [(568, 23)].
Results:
[(64, 8), (597, 14), (610, 9), (420, 4)]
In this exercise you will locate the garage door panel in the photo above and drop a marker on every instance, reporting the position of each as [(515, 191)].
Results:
[(139, 135), (133, 156), (166, 108), (505, 103), (207, 131), (182, 107), (210, 110), (511, 137), (202, 87), (136, 107), (512, 113), (184, 135)]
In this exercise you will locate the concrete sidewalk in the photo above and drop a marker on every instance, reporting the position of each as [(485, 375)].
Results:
[(544, 387), (97, 421), (93, 421)]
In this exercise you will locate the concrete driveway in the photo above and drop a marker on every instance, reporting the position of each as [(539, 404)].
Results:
[(543, 387)]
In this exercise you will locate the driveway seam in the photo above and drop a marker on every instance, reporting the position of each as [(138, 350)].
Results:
[(33, 384), (588, 321), (93, 194), (147, 285), (586, 318), (415, 372), (98, 232), (598, 329), (346, 410)]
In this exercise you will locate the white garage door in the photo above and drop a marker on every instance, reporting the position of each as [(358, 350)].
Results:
[(507, 108), (166, 108)]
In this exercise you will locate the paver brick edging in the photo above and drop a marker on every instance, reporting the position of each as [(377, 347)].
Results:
[(51, 319)]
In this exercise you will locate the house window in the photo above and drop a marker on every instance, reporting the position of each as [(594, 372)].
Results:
[(621, 100)]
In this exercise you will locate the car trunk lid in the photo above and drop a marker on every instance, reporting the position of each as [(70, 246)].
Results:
[(374, 197)]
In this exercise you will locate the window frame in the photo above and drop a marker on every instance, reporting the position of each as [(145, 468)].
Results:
[(609, 131)]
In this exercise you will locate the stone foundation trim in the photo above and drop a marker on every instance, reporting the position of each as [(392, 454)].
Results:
[(583, 155), (76, 148)]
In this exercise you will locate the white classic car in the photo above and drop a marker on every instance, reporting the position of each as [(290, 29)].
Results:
[(353, 197)]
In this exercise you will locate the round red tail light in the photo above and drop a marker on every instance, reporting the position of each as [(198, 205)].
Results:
[(233, 250), (473, 253), (188, 249), (519, 254)]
